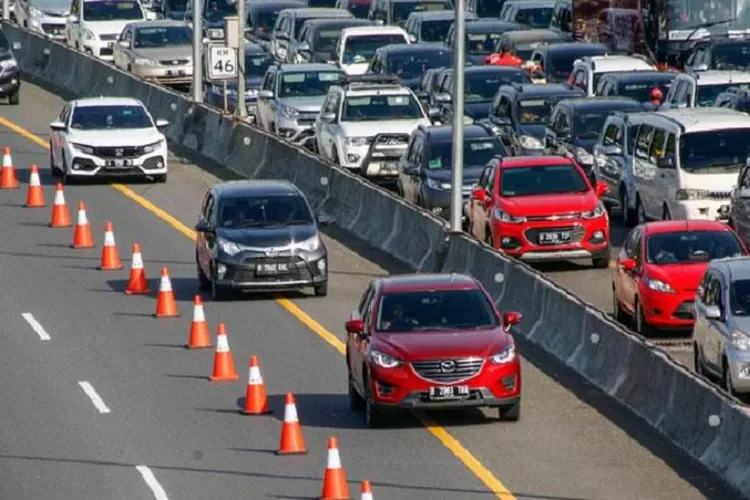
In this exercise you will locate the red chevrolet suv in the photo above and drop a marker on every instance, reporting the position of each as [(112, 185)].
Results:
[(431, 341), (540, 208)]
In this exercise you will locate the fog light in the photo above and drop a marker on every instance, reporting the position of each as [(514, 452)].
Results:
[(322, 266), (352, 158), (13, 81), (76, 166), (159, 165), (599, 235), (509, 382), (437, 210), (745, 371), (221, 270)]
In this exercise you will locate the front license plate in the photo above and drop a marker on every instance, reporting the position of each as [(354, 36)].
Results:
[(449, 392), (176, 72), (119, 163), (270, 269), (388, 165), (554, 237)]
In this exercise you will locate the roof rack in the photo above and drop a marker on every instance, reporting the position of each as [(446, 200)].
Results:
[(385, 79)]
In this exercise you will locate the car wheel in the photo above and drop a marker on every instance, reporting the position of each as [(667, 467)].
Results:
[(641, 326), (488, 236), (510, 413), (52, 167), (218, 292), (600, 262), (617, 311), (203, 282), (373, 417), (321, 290), (64, 177), (726, 379), (160, 179), (14, 98), (697, 361), (629, 216), (355, 400), (641, 212)]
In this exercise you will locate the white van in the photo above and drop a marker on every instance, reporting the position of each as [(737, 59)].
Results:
[(357, 45), (686, 162)]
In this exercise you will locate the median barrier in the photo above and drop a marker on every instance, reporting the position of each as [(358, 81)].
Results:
[(692, 414)]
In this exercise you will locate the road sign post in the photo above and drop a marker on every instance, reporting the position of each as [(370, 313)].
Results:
[(221, 63)]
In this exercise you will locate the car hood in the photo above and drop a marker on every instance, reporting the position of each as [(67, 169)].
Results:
[(471, 174), (477, 110), (436, 345), (267, 237), (310, 104), (114, 138), (526, 206), (166, 53), (57, 10), (533, 130), (681, 277), (108, 27), (369, 129)]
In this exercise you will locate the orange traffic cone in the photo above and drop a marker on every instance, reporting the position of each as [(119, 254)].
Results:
[(82, 236), (8, 174), (137, 283), (224, 370), (35, 196), (60, 212), (366, 490), (166, 306), (334, 481), (292, 442), (200, 337), (110, 256), (256, 402)]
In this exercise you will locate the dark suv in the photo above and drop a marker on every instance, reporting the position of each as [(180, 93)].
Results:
[(734, 98), (634, 84), (556, 60)]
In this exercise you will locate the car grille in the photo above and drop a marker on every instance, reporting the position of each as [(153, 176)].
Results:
[(719, 195), (392, 139), (105, 51), (568, 216), (307, 118), (577, 233), (174, 62), (53, 29), (124, 152), (686, 310), (435, 370), (108, 37)]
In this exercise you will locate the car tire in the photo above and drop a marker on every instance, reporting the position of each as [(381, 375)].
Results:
[(203, 282), (488, 236), (160, 179), (510, 413), (726, 379), (640, 212), (629, 216), (321, 290), (64, 177), (15, 98), (356, 402), (373, 416), (617, 311), (697, 361), (641, 326), (53, 169), (600, 262)]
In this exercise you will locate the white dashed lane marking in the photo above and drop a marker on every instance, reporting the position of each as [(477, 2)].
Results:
[(94, 397), (152, 483), (36, 326)]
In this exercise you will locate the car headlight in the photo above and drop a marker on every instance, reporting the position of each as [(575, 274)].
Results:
[(437, 185), (142, 61), (288, 111), (251, 93), (228, 247), (88, 150), (34, 12), (88, 35), (659, 286), (150, 148), (357, 141), (506, 217), (384, 360), (504, 356), (8, 65), (693, 194), (740, 340), (584, 157), (528, 142), (599, 211), (309, 245)]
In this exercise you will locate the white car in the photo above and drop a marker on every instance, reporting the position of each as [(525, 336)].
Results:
[(46, 17), (357, 45), (94, 25), (589, 69), (108, 137)]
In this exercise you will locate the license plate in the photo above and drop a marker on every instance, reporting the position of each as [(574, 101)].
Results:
[(388, 165), (554, 237), (449, 392), (119, 163), (272, 268), (176, 72)]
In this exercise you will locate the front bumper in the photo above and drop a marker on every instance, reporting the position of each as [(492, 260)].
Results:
[(299, 131), (172, 75), (739, 367), (84, 165), (99, 48), (439, 201), (378, 159), (714, 210), (668, 310), (244, 273), (51, 27)]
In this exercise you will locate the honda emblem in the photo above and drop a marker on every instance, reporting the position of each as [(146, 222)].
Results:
[(118, 152)]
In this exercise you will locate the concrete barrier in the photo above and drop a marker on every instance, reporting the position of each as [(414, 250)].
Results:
[(694, 415)]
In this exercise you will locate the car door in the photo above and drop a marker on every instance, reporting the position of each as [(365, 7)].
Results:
[(739, 217), (405, 181), (714, 330), (626, 286), (72, 27), (665, 177), (205, 241), (265, 114), (57, 138), (476, 212), (644, 173), (122, 49), (358, 344), (330, 130), (278, 29), (608, 165)]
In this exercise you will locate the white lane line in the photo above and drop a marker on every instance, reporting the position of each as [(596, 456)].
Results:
[(36, 326), (94, 397), (152, 483)]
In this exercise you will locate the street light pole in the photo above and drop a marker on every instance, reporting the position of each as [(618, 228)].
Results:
[(197, 51), (6, 10), (240, 109), (457, 178)]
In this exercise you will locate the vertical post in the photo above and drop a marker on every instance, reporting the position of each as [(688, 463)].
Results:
[(457, 178), (226, 98), (240, 109), (197, 51), (6, 10)]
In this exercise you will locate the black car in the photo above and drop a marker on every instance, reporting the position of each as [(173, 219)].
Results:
[(261, 17), (425, 170), (575, 126), (259, 235), (481, 83), (722, 53), (396, 12), (358, 8), (635, 85), (734, 98), (431, 26), (481, 37), (520, 112), (556, 60), (485, 9), (409, 62), (10, 78), (533, 14), (257, 61), (318, 39), (171, 9), (428, 84)]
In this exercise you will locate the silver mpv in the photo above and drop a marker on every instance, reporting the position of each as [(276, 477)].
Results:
[(721, 334)]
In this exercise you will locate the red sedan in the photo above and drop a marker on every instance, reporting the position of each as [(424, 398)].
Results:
[(660, 268), (431, 341)]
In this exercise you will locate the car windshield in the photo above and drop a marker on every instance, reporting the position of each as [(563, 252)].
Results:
[(257, 64), (432, 310), (641, 91), (381, 108), (707, 94), (359, 8), (264, 211), (361, 49), (477, 153), (534, 17), (541, 180), (307, 84), (481, 44), (108, 10), (535, 111), (435, 31), (400, 10), (684, 247), (162, 36), (217, 10), (588, 124), (326, 40), (489, 8), (481, 86), (110, 117), (411, 66), (49, 4), (739, 297), (731, 56), (714, 151)]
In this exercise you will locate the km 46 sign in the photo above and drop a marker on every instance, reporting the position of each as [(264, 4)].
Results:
[(222, 63)]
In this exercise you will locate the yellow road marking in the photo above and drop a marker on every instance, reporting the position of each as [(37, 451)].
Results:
[(439, 432)]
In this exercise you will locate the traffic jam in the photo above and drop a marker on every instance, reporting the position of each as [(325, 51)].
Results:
[(578, 116)]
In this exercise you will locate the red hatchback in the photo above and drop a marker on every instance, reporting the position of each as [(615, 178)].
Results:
[(540, 208), (660, 267), (431, 341)]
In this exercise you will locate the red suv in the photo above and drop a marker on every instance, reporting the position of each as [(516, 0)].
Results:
[(431, 341), (660, 267), (540, 208)]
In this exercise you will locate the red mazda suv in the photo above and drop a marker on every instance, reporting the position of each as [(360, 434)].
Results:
[(431, 341), (540, 208)]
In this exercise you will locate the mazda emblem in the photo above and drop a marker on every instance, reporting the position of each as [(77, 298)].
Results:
[(447, 366), (118, 152)]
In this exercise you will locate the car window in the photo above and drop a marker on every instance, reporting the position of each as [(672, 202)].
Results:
[(739, 297), (110, 117), (542, 180), (264, 211), (643, 142), (680, 247)]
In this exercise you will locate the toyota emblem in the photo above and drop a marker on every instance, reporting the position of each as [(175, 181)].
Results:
[(118, 152), (175, 62), (448, 366)]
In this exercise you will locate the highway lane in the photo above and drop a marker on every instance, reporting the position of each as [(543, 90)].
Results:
[(571, 443)]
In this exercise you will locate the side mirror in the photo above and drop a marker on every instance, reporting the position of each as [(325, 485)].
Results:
[(611, 150), (303, 47), (265, 94), (666, 162), (443, 98), (355, 326), (601, 189), (511, 318), (701, 67), (479, 194), (379, 22), (503, 121), (628, 264), (713, 312), (204, 227), (322, 221), (412, 38), (327, 117), (124, 44), (434, 113), (162, 123), (17, 45), (72, 18), (57, 126), (282, 35), (411, 170)]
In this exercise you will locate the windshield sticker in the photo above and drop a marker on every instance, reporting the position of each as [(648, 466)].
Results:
[(358, 101), (481, 146), (435, 164), (398, 100)]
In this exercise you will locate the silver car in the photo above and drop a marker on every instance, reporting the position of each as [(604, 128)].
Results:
[(43, 16), (721, 334)]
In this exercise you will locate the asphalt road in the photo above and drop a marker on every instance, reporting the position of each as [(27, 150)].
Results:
[(159, 411)]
